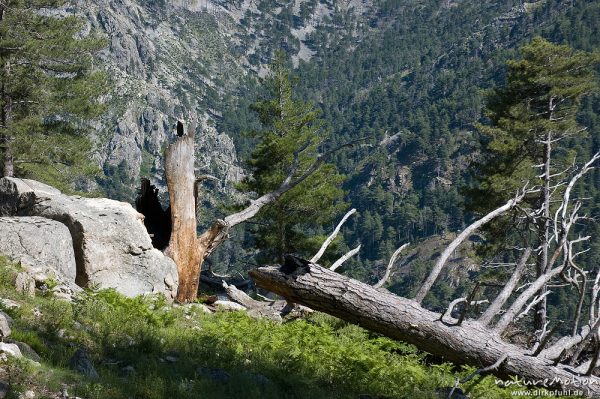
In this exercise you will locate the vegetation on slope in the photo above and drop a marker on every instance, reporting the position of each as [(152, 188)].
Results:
[(144, 348)]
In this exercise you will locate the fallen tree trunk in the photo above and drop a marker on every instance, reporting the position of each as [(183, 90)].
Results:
[(469, 342)]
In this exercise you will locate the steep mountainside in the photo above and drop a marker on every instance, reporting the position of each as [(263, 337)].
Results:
[(179, 59), (411, 74)]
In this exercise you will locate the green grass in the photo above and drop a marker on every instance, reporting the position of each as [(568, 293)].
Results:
[(129, 340)]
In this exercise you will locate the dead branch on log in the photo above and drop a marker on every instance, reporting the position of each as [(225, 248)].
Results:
[(437, 269), (506, 292), (344, 258), (522, 299), (485, 370), (388, 269), (332, 237)]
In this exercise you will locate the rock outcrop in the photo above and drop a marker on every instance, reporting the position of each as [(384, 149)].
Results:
[(45, 240), (111, 246)]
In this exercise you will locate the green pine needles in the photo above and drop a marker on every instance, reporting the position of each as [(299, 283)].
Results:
[(49, 92), (291, 126), (541, 97)]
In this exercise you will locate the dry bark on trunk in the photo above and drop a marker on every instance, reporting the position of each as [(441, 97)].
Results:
[(404, 319), (183, 244), (186, 248)]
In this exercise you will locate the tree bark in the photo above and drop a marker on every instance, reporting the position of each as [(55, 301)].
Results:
[(404, 319), (183, 243)]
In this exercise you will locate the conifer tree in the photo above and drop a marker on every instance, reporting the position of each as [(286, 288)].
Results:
[(536, 108), (48, 92), (291, 132), (533, 118)]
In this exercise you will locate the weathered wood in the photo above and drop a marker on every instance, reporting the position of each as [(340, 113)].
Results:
[(186, 248), (439, 265), (183, 244), (332, 237), (388, 269), (494, 309), (404, 319)]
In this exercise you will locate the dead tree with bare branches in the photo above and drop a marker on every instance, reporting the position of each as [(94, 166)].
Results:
[(553, 361), (185, 246)]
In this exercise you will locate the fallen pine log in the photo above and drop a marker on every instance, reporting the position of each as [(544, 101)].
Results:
[(468, 342)]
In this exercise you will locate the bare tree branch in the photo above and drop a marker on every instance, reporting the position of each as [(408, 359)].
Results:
[(437, 269), (290, 182), (486, 370), (546, 338), (388, 269), (535, 301), (344, 258), (506, 292), (518, 304), (451, 306), (332, 237), (594, 360)]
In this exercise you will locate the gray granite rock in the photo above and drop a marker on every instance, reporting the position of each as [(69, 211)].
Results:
[(112, 248), (38, 242), (81, 362)]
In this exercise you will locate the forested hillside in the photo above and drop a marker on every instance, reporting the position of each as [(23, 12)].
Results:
[(409, 77), (425, 169), (415, 78)]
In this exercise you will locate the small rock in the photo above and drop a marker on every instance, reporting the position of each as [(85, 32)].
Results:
[(5, 322), (81, 362), (9, 303), (197, 306), (229, 306), (27, 395), (217, 375), (25, 284), (11, 349), (171, 357), (63, 296), (3, 389), (27, 351)]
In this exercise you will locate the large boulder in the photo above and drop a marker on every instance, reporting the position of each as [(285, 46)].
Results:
[(111, 245), (46, 241)]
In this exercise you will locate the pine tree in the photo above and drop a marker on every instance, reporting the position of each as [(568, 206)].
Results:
[(532, 119), (47, 92), (539, 102), (290, 128)]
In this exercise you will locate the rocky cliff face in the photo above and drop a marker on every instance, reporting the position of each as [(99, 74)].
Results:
[(176, 59), (165, 62)]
